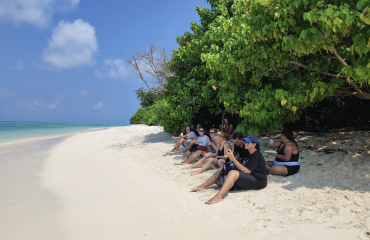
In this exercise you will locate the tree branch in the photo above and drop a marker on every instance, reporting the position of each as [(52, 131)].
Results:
[(338, 57), (326, 73)]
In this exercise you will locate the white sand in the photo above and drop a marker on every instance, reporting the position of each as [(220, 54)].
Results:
[(121, 184)]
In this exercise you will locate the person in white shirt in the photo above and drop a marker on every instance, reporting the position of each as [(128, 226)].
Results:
[(203, 148), (183, 139)]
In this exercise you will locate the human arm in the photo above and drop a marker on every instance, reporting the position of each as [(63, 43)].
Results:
[(212, 145), (237, 164), (231, 129), (288, 151), (273, 144), (210, 155), (226, 147)]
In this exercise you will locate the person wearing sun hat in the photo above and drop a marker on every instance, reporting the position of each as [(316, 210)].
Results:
[(249, 173)]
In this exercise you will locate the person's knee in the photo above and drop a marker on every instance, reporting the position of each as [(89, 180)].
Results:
[(234, 173), (220, 162), (277, 171)]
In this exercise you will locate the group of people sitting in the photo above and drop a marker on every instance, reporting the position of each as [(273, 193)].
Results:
[(243, 167)]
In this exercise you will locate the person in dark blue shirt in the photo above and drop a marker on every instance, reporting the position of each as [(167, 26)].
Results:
[(250, 173)]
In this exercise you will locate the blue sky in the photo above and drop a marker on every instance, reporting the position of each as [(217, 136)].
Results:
[(66, 60)]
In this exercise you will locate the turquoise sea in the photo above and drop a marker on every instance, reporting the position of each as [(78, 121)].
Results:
[(13, 131)]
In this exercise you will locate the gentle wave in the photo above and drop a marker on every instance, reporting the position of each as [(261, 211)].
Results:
[(15, 131)]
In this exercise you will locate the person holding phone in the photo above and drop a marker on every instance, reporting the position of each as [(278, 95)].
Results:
[(249, 174)]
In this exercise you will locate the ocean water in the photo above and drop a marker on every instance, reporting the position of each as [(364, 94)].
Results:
[(14, 131)]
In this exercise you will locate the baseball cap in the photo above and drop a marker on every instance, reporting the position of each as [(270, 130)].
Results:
[(252, 138)]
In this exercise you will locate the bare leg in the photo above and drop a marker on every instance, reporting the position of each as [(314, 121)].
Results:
[(209, 182), (206, 166), (192, 157), (178, 144), (221, 163), (269, 165), (278, 170), (187, 148), (186, 155), (199, 163), (228, 184)]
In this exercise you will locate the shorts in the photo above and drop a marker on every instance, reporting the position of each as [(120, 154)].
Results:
[(292, 169), (247, 181), (186, 144)]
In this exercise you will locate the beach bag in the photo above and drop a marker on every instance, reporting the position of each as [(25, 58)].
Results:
[(223, 174), (202, 148)]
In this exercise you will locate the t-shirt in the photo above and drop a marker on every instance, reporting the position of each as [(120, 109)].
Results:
[(257, 165), (241, 150), (191, 134), (213, 150), (203, 141)]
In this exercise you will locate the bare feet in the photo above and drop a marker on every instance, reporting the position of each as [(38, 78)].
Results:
[(187, 168), (197, 172), (196, 189), (214, 200), (183, 163)]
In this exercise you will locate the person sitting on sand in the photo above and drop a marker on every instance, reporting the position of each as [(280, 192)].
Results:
[(286, 161), (191, 143), (239, 148), (215, 158), (202, 143), (249, 174), (183, 139), (227, 128), (213, 143)]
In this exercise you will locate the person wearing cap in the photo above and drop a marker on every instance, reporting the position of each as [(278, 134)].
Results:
[(250, 172)]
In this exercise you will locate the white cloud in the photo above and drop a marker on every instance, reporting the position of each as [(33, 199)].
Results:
[(83, 93), (116, 69), (98, 106), (71, 45), (34, 12), (18, 66), (38, 104), (4, 92)]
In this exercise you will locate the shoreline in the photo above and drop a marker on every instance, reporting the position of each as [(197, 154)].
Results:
[(51, 136), (121, 183)]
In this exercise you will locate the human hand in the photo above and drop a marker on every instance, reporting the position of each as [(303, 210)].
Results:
[(273, 154), (229, 153)]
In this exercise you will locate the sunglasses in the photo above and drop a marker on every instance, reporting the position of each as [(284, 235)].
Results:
[(211, 132), (246, 142), (201, 130)]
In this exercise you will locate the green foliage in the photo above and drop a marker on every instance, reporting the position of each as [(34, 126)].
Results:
[(147, 98), (267, 60), (145, 116)]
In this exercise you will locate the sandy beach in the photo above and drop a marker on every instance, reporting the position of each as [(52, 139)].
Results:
[(121, 183)]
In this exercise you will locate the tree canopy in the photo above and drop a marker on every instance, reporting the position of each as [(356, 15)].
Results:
[(266, 61)]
